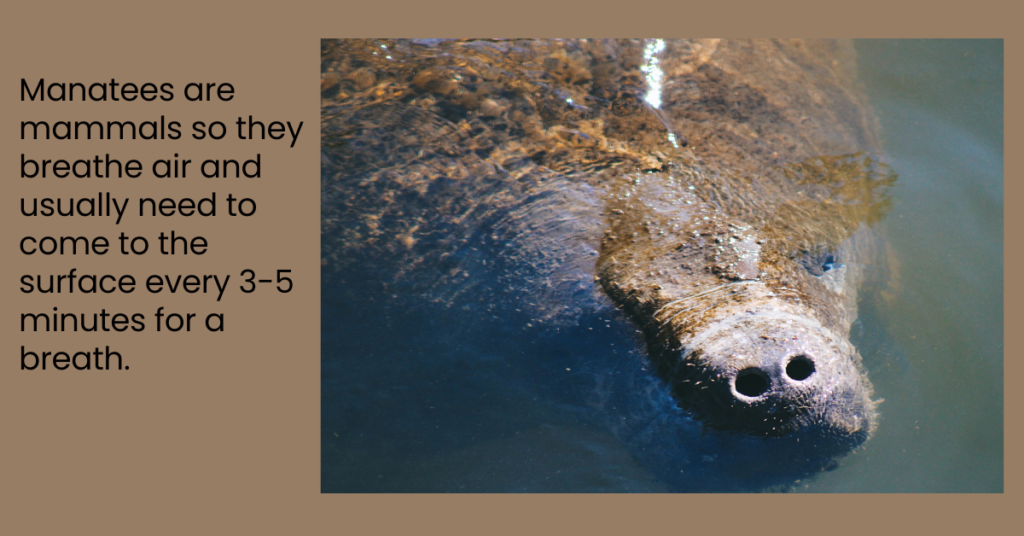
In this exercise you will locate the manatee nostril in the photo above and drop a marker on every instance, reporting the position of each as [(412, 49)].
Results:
[(800, 368), (752, 382)]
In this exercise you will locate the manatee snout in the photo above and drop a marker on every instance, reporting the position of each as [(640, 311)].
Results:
[(773, 374)]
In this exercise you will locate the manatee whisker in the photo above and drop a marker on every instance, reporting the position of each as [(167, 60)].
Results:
[(727, 286), (695, 296)]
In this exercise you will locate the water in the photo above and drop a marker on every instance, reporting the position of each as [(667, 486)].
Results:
[(440, 399), (939, 367)]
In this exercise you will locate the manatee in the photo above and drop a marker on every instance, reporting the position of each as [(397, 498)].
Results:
[(715, 196)]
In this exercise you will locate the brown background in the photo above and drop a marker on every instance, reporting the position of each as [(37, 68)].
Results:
[(219, 433)]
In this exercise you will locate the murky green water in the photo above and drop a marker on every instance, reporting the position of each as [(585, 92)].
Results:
[(445, 402), (941, 371)]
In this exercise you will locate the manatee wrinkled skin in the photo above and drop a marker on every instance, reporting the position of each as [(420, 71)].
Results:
[(728, 218)]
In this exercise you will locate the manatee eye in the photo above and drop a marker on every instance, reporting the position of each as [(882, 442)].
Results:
[(818, 264), (828, 263)]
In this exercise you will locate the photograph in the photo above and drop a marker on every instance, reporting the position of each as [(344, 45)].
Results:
[(661, 265)]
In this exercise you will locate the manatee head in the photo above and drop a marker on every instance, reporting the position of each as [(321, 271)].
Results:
[(770, 372)]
